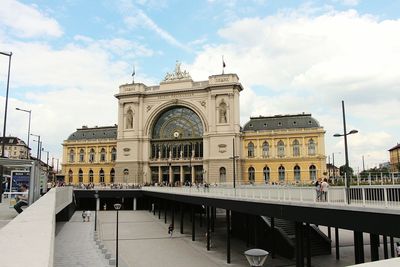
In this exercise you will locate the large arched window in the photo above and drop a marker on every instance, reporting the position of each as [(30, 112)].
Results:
[(80, 176), (91, 176), (222, 175), (296, 148), (252, 175), (281, 149), (71, 155), (81, 155), (266, 174), (112, 175), (250, 150), (70, 176), (113, 154), (101, 175), (297, 173), (91, 155), (102, 155), (311, 147), (313, 172), (265, 149), (281, 173)]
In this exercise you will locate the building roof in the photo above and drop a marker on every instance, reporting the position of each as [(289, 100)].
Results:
[(279, 122), (395, 147), (12, 141), (85, 133)]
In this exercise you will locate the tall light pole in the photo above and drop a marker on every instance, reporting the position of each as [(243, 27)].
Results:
[(234, 162), (9, 54), (38, 146), (117, 206), (346, 153), (29, 126)]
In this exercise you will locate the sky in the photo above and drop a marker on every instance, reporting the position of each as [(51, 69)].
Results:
[(69, 58)]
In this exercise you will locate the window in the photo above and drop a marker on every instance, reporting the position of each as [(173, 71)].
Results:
[(265, 149), (70, 176), (266, 174), (311, 147), (101, 174), (281, 149), (90, 176), (80, 176), (313, 172), (252, 174), (297, 173), (222, 175), (112, 176), (281, 173), (91, 155), (71, 155), (103, 155), (296, 148), (113, 154), (250, 150), (81, 155)]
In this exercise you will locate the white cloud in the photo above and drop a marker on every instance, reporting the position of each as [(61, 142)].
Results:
[(27, 21)]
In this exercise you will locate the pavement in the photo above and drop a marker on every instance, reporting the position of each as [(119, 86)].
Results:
[(7, 212)]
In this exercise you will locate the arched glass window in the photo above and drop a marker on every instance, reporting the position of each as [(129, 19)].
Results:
[(101, 174), (80, 175), (296, 148), (252, 175), (112, 175), (71, 155), (281, 173), (297, 173), (222, 175), (281, 149), (113, 154), (81, 155), (102, 155), (250, 150), (90, 176), (91, 155), (313, 172), (311, 147), (265, 149), (266, 174), (70, 176)]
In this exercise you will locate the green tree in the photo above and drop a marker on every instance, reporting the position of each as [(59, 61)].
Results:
[(342, 170)]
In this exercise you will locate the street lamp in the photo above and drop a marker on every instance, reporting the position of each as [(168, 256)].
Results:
[(346, 153), (39, 145), (96, 196), (256, 257), (29, 126), (9, 54), (117, 206), (234, 163)]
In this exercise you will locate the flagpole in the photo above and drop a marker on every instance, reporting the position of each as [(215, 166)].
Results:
[(223, 65)]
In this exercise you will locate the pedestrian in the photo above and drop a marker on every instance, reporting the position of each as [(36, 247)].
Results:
[(22, 199), (170, 230), (88, 213), (83, 216), (398, 249), (318, 188), (324, 189)]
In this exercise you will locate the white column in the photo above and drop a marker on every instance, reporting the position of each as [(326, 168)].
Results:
[(98, 203), (134, 203)]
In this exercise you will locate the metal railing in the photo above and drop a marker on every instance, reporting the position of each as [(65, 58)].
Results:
[(358, 196)]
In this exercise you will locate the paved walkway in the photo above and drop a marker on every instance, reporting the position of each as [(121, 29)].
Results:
[(7, 213), (74, 244)]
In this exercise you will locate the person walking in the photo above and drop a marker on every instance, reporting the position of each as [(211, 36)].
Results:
[(170, 230), (318, 188), (398, 249), (324, 189), (22, 199), (88, 213)]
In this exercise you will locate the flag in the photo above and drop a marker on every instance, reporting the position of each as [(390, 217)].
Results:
[(134, 72), (223, 62)]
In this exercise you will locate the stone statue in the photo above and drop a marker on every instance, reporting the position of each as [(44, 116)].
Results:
[(222, 112), (129, 119), (177, 74)]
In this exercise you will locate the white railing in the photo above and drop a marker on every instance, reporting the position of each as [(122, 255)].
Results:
[(357, 196), (28, 240)]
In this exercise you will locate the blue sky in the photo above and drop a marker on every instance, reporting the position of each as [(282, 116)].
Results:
[(291, 56)]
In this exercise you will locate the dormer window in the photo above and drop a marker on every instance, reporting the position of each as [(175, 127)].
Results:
[(279, 123)]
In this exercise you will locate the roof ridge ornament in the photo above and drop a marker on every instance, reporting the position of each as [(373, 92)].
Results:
[(178, 74)]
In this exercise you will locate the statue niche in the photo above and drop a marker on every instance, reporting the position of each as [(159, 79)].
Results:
[(129, 119), (222, 112)]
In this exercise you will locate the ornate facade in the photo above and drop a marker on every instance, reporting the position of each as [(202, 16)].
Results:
[(14, 148), (283, 149), (395, 158), (177, 131), (89, 155)]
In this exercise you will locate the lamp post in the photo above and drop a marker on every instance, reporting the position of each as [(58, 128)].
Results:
[(117, 206), (9, 54), (96, 196), (29, 126), (346, 153), (234, 163), (39, 145), (256, 257)]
